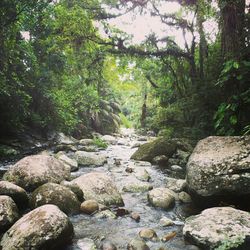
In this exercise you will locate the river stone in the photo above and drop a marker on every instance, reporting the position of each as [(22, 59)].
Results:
[(176, 185), (46, 227), (160, 160), (184, 197), (137, 244), (109, 139), (8, 212), (137, 187), (216, 225), (161, 197), (148, 234), (166, 222), (90, 159), (89, 206), (219, 166), (33, 171), (160, 146), (142, 174), (86, 142), (107, 245), (75, 189), (99, 187), (52, 193), (85, 244), (105, 214), (65, 159), (17, 193)]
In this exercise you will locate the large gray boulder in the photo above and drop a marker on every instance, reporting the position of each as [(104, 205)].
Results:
[(220, 167), (45, 228), (68, 161), (90, 159), (8, 212), (17, 193), (217, 226), (52, 193), (33, 171), (99, 187)]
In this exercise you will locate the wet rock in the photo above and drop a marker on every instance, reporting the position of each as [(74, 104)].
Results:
[(46, 227), (219, 167), (129, 170), (142, 138), (107, 245), (52, 193), (135, 216), (216, 225), (61, 138), (106, 214), (169, 236), (109, 139), (17, 193), (142, 174), (86, 142), (142, 164), (137, 244), (148, 234), (184, 197), (161, 197), (90, 159), (176, 185), (8, 212), (89, 207), (65, 159), (121, 211), (86, 244), (136, 145), (137, 187), (122, 141), (66, 148), (160, 160), (33, 171), (117, 162), (176, 168), (166, 222), (99, 187), (75, 189)]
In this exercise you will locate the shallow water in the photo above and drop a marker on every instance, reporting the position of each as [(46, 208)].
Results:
[(122, 230)]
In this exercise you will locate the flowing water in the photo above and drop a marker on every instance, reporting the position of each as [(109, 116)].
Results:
[(122, 230)]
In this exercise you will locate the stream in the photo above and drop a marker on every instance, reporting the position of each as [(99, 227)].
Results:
[(121, 230)]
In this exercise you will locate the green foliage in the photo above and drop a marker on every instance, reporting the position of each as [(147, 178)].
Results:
[(124, 121), (100, 143), (231, 243)]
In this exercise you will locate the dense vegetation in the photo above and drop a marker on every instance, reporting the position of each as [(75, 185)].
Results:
[(58, 73)]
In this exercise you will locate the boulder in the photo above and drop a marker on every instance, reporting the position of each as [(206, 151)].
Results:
[(33, 171), (109, 139), (8, 213), (61, 138), (161, 197), (137, 244), (176, 185), (99, 187), (217, 226), (90, 159), (86, 142), (184, 197), (137, 187), (220, 167), (142, 174), (46, 227), (17, 193), (160, 160), (85, 244), (52, 193), (75, 189), (66, 160), (160, 146)]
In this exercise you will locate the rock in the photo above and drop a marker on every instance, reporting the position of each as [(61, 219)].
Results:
[(46, 227), (86, 244), (65, 159), (161, 197), (107, 245), (137, 187), (160, 160), (33, 171), (142, 175), (117, 162), (64, 147), (137, 244), (184, 197), (89, 207), (176, 168), (75, 189), (142, 164), (129, 170), (99, 187), (136, 145), (90, 148), (105, 214), (122, 141), (109, 139), (52, 193), (90, 159), (8, 213), (121, 211), (86, 142), (176, 185), (169, 236), (217, 225), (61, 138), (142, 138), (219, 167), (148, 234), (17, 193), (135, 216), (160, 146), (7, 151), (166, 222)]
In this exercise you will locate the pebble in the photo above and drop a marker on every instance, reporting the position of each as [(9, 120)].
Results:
[(148, 234), (135, 216), (166, 222), (129, 170), (169, 236), (120, 211), (137, 244), (89, 206)]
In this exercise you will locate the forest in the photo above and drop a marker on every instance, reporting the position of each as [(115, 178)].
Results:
[(61, 71)]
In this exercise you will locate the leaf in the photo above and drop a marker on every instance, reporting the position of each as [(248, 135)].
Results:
[(233, 119), (236, 65)]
